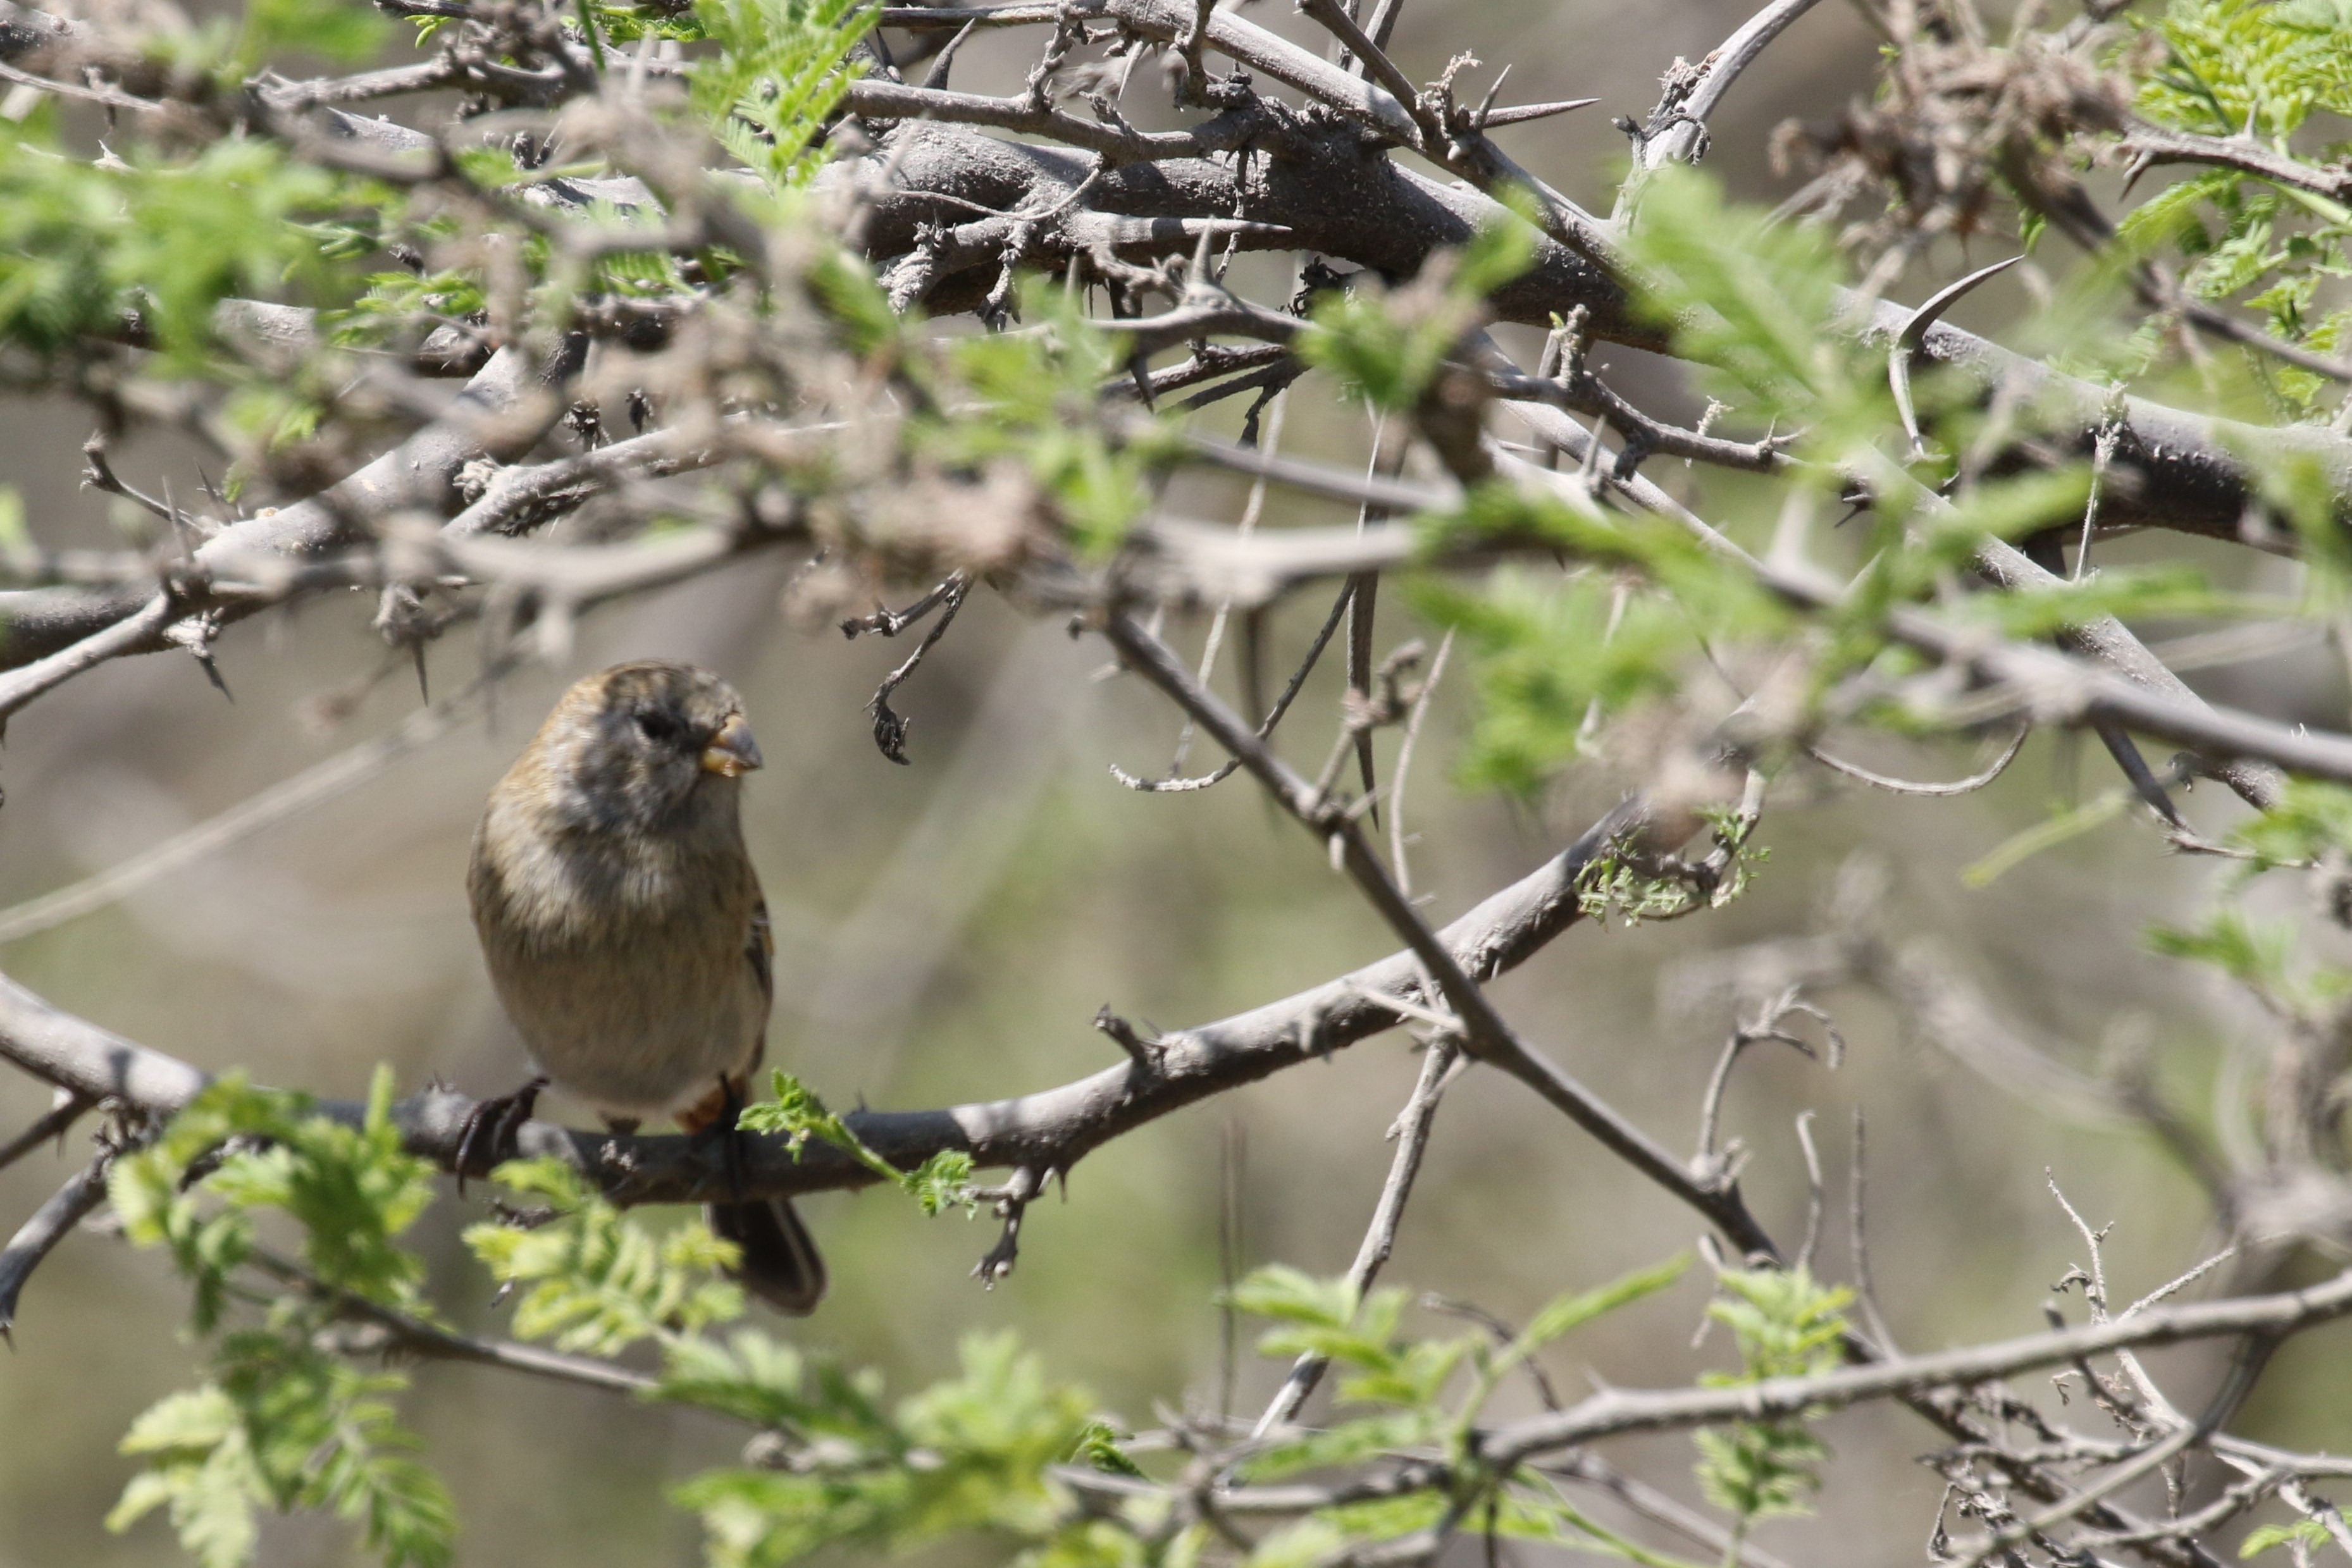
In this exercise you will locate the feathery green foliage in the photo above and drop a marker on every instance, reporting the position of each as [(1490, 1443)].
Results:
[(1757, 300), (1404, 1388), (1786, 1324), (942, 1182), (2309, 1533), (974, 1454), (780, 69), (2311, 819), (84, 246), (1386, 347), (596, 1281), (1041, 386), (2260, 71), (282, 1422)]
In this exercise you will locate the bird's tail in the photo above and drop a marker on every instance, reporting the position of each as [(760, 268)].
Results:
[(781, 1263)]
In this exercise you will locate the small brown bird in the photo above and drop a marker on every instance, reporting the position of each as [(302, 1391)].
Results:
[(624, 931)]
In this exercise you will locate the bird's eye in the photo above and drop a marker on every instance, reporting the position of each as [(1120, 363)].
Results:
[(661, 728)]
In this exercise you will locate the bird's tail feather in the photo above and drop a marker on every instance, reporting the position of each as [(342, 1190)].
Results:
[(781, 1263)]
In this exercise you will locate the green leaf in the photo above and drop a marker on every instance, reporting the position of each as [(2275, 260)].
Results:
[(2309, 1531), (797, 1114), (1302, 1544), (1572, 1310), (2309, 820), (1757, 300), (1547, 655), (284, 1425), (989, 1441), (1041, 387), (770, 1384), (1291, 1295), (2260, 956), (780, 69), (2061, 827), (1787, 1324), (1342, 1444), (340, 30), (354, 1190), (942, 1182), (598, 1281), (1551, 1519), (1097, 1447), (2244, 67), (1758, 1469), (1411, 1376), (202, 1472), (83, 246)]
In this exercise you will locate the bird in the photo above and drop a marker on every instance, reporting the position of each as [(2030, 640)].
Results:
[(625, 935)]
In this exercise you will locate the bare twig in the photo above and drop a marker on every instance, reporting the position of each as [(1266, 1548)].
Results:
[(311, 787), (1402, 772), (1413, 1124), (415, 1336), (48, 1227), (1485, 1035), (1968, 785), (889, 729), (69, 1107), (1865, 1288)]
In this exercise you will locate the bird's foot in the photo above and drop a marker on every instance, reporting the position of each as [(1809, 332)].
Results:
[(487, 1138), (715, 1118)]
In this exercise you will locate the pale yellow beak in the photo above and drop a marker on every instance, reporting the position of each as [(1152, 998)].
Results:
[(732, 752)]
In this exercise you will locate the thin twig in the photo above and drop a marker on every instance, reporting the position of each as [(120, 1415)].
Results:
[(1613, 1411), (1865, 1288), (1975, 781), (1813, 1191), (419, 1337), (1411, 1132), (1404, 767), (48, 1226), (2243, 1371), (1486, 1035), (1660, 1508), (313, 786), (69, 1107), (1266, 726), (1251, 510), (889, 729)]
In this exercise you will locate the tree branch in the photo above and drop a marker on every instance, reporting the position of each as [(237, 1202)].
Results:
[(1052, 1128), (1617, 1411)]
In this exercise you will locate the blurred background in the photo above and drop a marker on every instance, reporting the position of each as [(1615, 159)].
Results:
[(947, 931)]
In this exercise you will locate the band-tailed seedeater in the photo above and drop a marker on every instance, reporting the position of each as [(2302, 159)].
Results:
[(624, 928)]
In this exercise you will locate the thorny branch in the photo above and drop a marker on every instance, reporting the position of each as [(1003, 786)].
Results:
[(472, 507)]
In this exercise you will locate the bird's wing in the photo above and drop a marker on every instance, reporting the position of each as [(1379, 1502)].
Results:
[(761, 951)]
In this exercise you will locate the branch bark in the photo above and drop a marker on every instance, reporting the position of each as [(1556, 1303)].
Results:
[(1616, 1411), (1048, 1130)]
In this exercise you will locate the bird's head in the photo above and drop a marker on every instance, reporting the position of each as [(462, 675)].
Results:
[(638, 744)]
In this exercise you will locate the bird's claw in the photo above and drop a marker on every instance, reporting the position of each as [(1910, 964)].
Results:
[(487, 1139), (723, 1127)]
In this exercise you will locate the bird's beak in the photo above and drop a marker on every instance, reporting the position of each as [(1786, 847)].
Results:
[(732, 752)]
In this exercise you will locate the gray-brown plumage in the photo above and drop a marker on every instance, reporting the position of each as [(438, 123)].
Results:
[(623, 925)]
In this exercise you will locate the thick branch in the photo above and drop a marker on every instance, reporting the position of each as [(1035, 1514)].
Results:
[(1341, 196), (1049, 1129)]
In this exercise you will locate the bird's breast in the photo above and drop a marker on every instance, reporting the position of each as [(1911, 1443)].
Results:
[(622, 963)]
